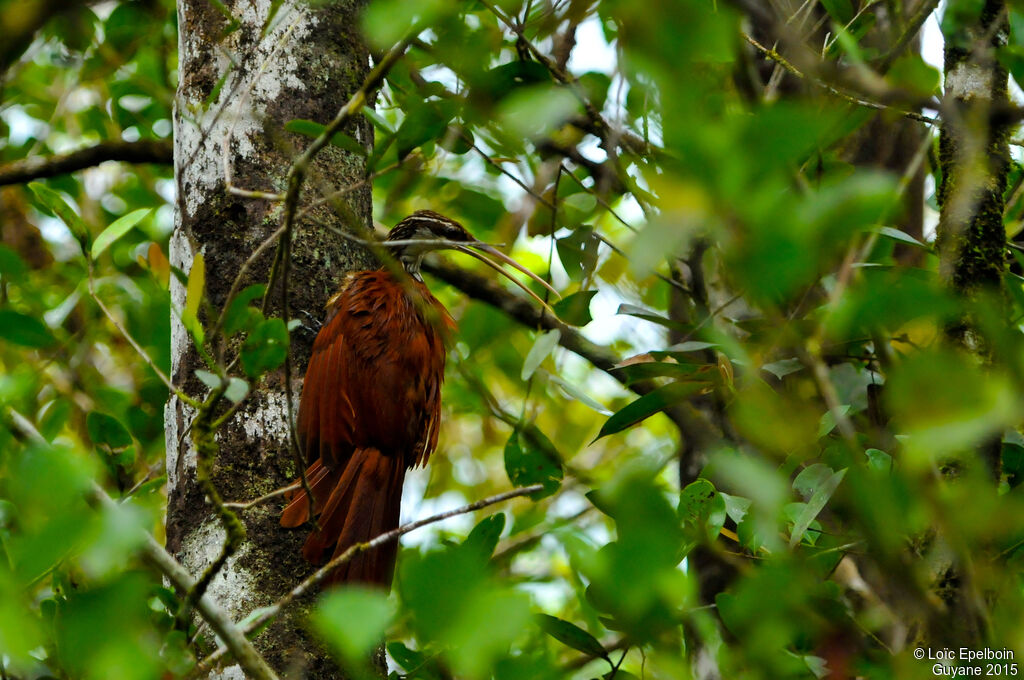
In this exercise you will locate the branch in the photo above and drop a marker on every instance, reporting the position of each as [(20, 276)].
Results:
[(160, 151), (921, 14), (254, 665), (245, 654), (774, 55), (318, 577), (694, 426), (596, 125)]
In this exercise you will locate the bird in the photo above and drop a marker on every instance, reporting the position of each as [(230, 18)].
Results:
[(371, 398)]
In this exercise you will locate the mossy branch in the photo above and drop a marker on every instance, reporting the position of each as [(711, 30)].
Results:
[(204, 437)]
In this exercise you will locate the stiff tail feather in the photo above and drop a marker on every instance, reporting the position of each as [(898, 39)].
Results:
[(352, 505)]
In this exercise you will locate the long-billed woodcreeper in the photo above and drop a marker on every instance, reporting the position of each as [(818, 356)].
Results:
[(371, 400)]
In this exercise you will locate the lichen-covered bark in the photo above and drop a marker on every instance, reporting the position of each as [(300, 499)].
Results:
[(974, 155), (242, 78), (974, 162)]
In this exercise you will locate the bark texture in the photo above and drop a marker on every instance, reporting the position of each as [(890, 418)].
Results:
[(243, 76), (974, 154)]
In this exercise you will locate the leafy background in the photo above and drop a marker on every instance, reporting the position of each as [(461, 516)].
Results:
[(841, 513)]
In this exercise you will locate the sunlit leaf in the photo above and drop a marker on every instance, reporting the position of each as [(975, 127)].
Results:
[(649, 404), (815, 505), (576, 393), (56, 205), (116, 230), (543, 346)]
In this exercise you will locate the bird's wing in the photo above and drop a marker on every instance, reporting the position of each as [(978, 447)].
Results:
[(327, 417), (374, 377)]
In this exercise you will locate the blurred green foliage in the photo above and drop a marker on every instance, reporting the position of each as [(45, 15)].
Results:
[(720, 242)]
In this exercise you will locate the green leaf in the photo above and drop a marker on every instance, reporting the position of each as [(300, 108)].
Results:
[(879, 460), (736, 507), (211, 380), (912, 73), (413, 660), (116, 230), (240, 316), (649, 404), (237, 390), (458, 139), (12, 267), (574, 392), (311, 129), (577, 208), (578, 252), (536, 111), (378, 121), (484, 537), (107, 430), (353, 620), (575, 309), (811, 479), (828, 420), (840, 10), (24, 330), (780, 369), (542, 347), (701, 506), (266, 348), (426, 122), (688, 346), (901, 236), (647, 315), (815, 505), (527, 463), (56, 205), (385, 22), (571, 635), (646, 370)]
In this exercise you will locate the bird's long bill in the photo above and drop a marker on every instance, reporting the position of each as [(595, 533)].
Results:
[(512, 263)]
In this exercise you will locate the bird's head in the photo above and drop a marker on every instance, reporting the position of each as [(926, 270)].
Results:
[(424, 231)]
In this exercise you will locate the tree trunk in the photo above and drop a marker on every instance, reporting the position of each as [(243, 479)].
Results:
[(974, 155), (242, 78), (974, 160)]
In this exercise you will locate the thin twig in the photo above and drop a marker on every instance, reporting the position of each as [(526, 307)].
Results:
[(315, 579), (155, 151), (860, 101), (164, 378), (265, 497)]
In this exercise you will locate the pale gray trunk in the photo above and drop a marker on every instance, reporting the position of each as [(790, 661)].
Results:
[(238, 88)]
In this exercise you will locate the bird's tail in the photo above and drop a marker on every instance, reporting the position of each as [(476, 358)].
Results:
[(352, 504)]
